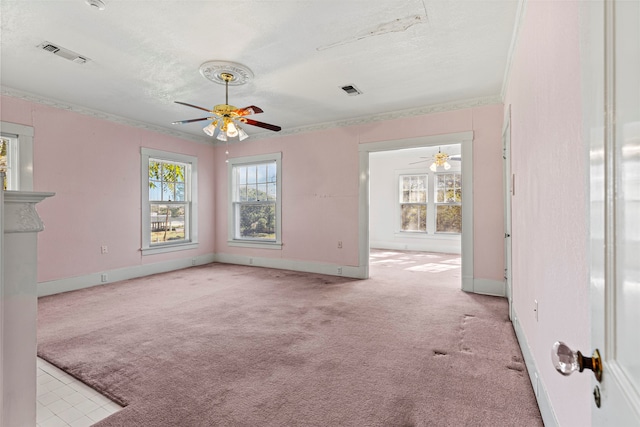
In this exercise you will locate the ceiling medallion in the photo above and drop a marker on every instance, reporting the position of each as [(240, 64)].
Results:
[(214, 70)]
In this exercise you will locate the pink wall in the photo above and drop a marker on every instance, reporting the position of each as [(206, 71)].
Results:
[(550, 228), (320, 186), (93, 166)]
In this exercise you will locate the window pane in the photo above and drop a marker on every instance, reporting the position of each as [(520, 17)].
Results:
[(167, 223), (449, 219), (257, 221), (179, 196), (271, 192), (155, 192), (242, 193), (167, 192), (241, 172), (155, 170), (414, 217), (272, 172), (178, 172), (262, 192), (251, 192), (251, 174), (262, 173)]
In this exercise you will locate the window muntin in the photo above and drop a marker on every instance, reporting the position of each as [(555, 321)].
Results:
[(448, 199), (169, 220), (413, 202), (255, 205)]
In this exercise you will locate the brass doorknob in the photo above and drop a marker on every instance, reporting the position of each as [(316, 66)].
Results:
[(566, 361)]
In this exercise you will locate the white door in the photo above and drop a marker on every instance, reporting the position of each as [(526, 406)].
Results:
[(508, 192), (611, 72)]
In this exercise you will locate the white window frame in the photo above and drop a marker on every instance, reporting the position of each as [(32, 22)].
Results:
[(231, 212), (436, 203), (21, 156), (191, 196), (399, 180)]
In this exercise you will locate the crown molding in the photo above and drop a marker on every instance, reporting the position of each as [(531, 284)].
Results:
[(400, 114), (374, 118), (50, 102)]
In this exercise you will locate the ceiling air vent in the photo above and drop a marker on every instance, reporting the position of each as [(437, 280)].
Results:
[(351, 90), (62, 52)]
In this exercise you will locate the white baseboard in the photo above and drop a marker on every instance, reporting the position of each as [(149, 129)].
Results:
[(496, 288), (73, 283), (287, 264), (442, 246), (544, 403)]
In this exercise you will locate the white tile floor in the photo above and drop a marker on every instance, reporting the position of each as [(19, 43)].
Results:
[(64, 401)]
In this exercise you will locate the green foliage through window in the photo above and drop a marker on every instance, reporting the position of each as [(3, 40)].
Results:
[(167, 186), (448, 203), (255, 189)]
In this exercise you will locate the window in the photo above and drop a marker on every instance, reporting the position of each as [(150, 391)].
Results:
[(16, 156), (448, 199), (168, 201), (413, 202), (254, 201), (8, 160)]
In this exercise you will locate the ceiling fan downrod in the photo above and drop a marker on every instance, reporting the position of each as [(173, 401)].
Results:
[(227, 77)]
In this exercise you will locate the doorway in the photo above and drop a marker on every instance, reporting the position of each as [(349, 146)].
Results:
[(465, 140)]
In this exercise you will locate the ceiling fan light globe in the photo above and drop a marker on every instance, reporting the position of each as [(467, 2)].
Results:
[(447, 166), (433, 167), (242, 135), (209, 130), (232, 131), (222, 137)]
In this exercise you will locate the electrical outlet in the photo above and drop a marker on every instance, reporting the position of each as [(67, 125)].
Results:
[(103, 277), (193, 261), (535, 308), (339, 244), (339, 270), (250, 261), (104, 249)]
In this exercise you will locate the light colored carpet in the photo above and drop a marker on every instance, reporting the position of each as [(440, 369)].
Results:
[(223, 345)]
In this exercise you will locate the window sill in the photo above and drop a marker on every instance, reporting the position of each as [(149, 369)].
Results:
[(255, 244), (169, 248)]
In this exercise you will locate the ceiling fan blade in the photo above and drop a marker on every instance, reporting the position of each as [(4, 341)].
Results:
[(262, 125), (420, 161), (194, 106), (252, 109), (181, 122), (456, 157)]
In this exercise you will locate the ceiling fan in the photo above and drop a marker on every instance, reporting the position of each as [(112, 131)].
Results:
[(226, 118), (439, 159)]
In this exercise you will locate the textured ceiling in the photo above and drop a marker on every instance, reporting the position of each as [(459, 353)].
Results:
[(404, 55)]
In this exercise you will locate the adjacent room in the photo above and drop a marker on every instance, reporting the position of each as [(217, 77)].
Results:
[(311, 213)]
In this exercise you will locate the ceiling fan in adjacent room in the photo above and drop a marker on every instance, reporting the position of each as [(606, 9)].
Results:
[(225, 118), (439, 159)]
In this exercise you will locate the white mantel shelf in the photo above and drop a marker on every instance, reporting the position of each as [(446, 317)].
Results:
[(18, 304)]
